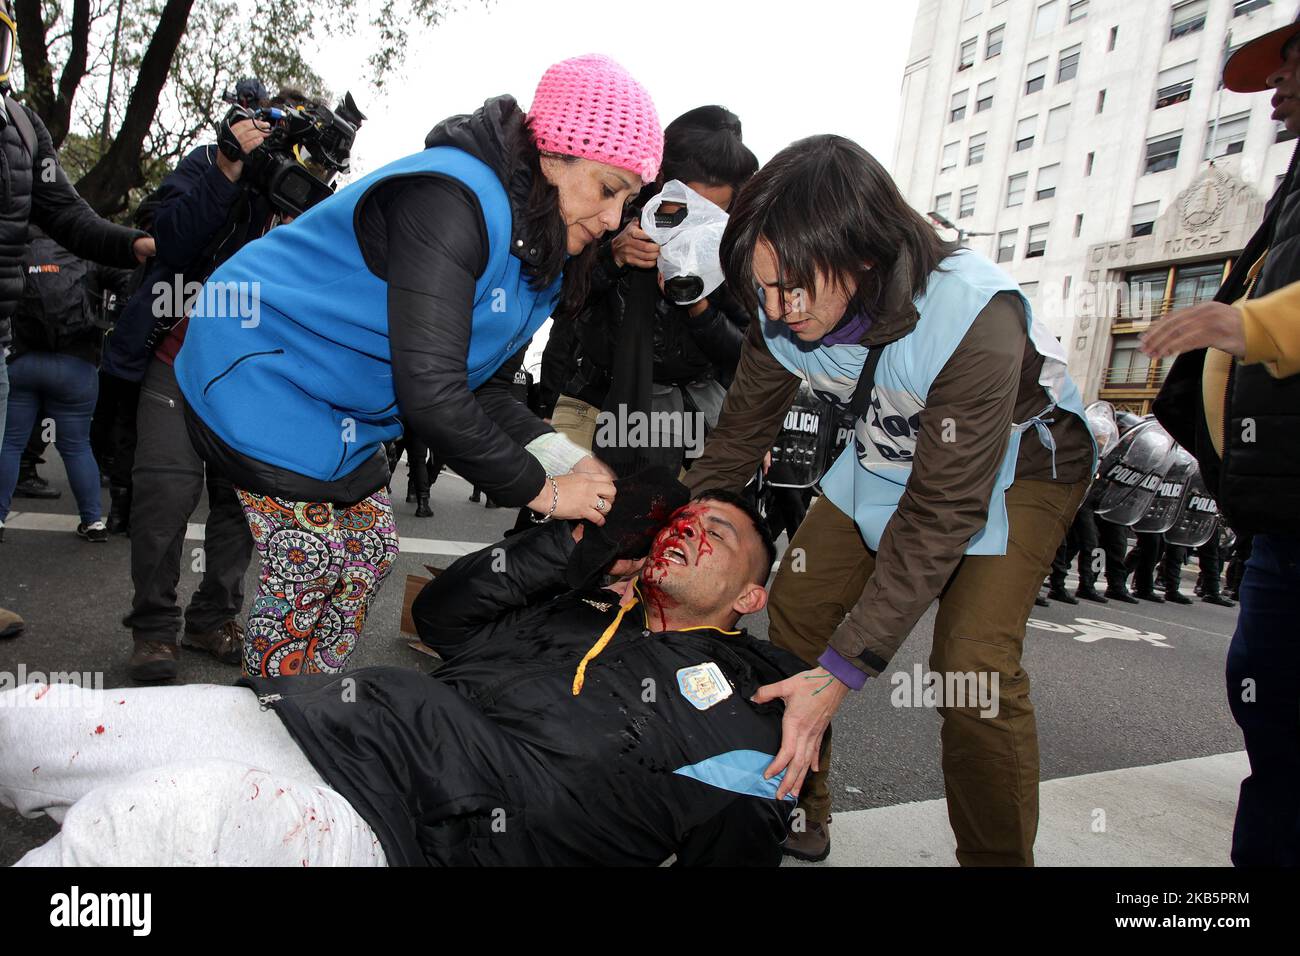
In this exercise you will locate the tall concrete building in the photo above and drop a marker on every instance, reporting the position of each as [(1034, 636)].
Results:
[(1088, 147)]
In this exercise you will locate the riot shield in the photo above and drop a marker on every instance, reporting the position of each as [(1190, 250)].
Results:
[(799, 454), (1198, 520), (1163, 510), (1101, 420), (1130, 475)]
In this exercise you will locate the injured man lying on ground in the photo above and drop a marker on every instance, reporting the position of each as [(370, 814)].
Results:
[(570, 724)]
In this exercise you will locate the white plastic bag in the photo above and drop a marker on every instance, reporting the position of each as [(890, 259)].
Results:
[(688, 249)]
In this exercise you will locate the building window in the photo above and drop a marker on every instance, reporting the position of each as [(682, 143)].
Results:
[(1174, 85), (1188, 17), (966, 203), (1029, 289), (941, 204), (1036, 244), (1006, 246), (1067, 68), (1016, 186), (1162, 153), (1101, 100), (1283, 134), (1087, 164), (973, 8), (1058, 123), (1129, 365), (1144, 219), (1047, 177), (1114, 35), (957, 107), (1227, 138), (966, 57), (949, 160), (984, 96), (1025, 132), (1248, 6), (975, 150), (1065, 288), (1078, 225), (993, 42), (1045, 20), (1035, 76), (1078, 10)]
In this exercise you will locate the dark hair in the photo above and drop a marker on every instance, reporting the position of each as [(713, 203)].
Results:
[(704, 146), (544, 230), (756, 519), (826, 206)]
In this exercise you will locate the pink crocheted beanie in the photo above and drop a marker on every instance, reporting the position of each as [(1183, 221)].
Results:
[(591, 107)]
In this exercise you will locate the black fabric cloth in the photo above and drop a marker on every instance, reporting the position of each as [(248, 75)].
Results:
[(1081, 540), (1113, 540), (1257, 482), (643, 505), (494, 761), (50, 201)]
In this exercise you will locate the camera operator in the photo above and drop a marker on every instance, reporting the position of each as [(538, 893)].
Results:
[(629, 345), (204, 212), (37, 190)]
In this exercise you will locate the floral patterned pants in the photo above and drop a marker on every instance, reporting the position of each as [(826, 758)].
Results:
[(321, 566)]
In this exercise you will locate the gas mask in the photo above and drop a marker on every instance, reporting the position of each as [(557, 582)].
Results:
[(689, 234)]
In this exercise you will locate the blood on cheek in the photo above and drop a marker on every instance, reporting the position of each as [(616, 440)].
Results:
[(685, 523)]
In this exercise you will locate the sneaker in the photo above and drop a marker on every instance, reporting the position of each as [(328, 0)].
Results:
[(1120, 594), (1091, 594), (154, 661), (226, 643), (96, 531), (1062, 595), (32, 485), (812, 845)]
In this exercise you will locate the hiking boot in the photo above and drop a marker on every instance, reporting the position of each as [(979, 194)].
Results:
[(1177, 597), (1090, 594), (1217, 599), (1121, 594), (226, 643), (11, 625), (154, 660), (1057, 593), (812, 845), (119, 509), (96, 532), (422, 509)]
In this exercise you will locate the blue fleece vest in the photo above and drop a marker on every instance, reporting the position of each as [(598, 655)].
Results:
[(869, 477), (286, 357)]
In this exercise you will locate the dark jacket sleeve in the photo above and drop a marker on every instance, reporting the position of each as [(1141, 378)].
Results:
[(66, 217), (718, 337), (492, 588), (496, 396), (946, 500), (193, 203), (435, 249), (751, 417)]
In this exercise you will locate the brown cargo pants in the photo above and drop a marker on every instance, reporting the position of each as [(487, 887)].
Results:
[(990, 764)]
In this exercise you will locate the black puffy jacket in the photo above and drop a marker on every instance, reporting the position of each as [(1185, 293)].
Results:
[(37, 190), (1257, 481), (493, 760)]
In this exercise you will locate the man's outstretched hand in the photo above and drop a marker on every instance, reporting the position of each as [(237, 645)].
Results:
[(811, 699)]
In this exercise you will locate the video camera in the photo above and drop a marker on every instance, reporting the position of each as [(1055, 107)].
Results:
[(294, 167)]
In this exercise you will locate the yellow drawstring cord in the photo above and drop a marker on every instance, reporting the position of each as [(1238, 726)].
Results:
[(605, 637)]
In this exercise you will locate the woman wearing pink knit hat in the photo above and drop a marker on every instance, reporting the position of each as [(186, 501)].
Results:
[(388, 306)]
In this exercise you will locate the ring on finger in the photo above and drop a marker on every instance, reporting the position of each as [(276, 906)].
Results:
[(600, 503)]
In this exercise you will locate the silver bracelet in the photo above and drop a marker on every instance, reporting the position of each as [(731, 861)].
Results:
[(555, 502)]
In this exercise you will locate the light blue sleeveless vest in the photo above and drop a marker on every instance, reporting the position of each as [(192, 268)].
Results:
[(869, 477), (304, 379)]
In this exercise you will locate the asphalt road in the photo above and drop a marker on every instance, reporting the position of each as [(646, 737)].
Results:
[(1115, 686)]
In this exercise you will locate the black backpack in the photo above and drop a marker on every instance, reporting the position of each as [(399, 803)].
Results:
[(55, 292)]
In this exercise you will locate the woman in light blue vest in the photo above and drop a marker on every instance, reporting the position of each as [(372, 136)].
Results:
[(969, 459), (391, 302)]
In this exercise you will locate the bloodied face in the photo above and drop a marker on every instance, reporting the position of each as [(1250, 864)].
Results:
[(706, 565)]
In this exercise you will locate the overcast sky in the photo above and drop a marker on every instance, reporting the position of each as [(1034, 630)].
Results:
[(787, 69)]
